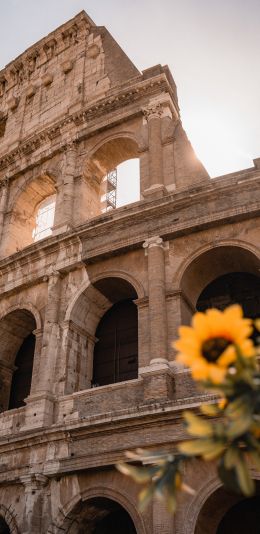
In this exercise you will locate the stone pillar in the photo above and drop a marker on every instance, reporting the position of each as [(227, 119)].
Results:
[(4, 185), (163, 521), (63, 219), (156, 180), (38, 333), (39, 405), (91, 340), (50, 335), (157, 304), (158, 375), (34, 485)]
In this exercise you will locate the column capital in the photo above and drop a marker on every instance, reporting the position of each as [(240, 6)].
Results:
[(155, 241), (34, 481), (154, 111), (4, 182)]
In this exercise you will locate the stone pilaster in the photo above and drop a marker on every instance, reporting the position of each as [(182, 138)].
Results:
[(63, 219), (50, 334), (157, 305), (38, 333), (158, 375), (39, 409), (153, 116), (34, 487), (4, 187), (163, 521)]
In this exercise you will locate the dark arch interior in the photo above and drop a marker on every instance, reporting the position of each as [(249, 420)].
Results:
[(236, 287), (242, 518), (22, 376), (4, 529), (116, 351), (16, 354), (104, 516)]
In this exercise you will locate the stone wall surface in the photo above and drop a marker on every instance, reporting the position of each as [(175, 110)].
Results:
[(73, 107)]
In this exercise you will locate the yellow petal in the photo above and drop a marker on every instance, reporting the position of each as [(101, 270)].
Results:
[(216, 374)]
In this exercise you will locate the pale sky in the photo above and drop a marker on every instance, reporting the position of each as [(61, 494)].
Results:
[(211, 46)]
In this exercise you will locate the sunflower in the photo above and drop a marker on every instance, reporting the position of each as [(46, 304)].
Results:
[(208, 347)]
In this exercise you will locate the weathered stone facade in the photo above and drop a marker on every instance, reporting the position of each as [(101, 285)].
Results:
[(72, 107)]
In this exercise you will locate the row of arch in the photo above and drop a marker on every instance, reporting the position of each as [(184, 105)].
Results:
[(213, 510), (35, 205), (107, 310)]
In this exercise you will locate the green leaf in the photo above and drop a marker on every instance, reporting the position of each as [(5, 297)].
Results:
[(231, 457), (228, 477), (145, 496), (139, 474), (198, 447), (245, 481), (210, 409), (197, 426), (219, 448), (255, 458), (239, 426), (238, 408)]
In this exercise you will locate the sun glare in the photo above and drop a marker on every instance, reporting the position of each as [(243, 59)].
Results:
[(217, 146)]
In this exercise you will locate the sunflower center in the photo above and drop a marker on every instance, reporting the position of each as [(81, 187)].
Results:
[(212, 348)]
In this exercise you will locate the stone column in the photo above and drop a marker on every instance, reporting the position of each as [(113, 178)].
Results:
[(38, 333), (156, 180), (158, 375), (63, 219), (50, 335), (34, 485), (157, 303), (39, 405), (4, 185)]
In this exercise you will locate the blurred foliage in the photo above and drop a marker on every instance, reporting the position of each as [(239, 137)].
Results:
[(223, 360)]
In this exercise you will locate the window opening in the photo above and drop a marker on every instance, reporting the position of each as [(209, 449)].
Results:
[(44, 219), (110, 185), (116, 351)]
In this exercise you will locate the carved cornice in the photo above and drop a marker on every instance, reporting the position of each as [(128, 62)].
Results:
[(84, 118)]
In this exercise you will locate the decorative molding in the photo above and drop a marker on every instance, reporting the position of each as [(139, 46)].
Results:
[(85, 116)]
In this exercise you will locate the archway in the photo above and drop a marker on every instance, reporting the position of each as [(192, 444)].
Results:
[(218, 277), (242, 517), (4, 529), (16, 357), (237, 287), (82, 320), (99, 515), (116, 349), (20, 220), (112, 168), (228, 513)]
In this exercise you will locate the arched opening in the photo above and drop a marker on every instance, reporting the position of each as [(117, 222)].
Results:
[(112, 177), (4, 529), (242, 517), (241, 288), (24, 219), (219, 277), (116, 350), (44, 218), (16, 358), (103, 331), (101, 515), (228, 513)]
